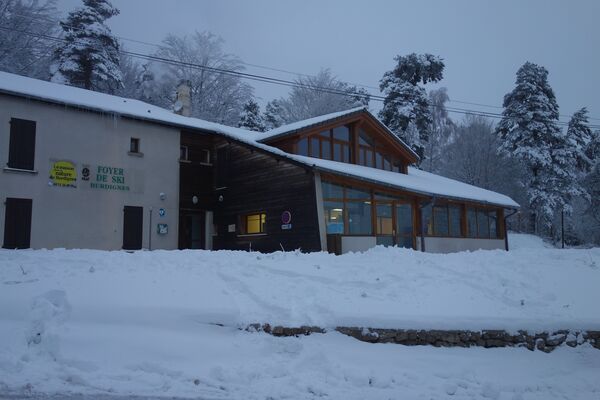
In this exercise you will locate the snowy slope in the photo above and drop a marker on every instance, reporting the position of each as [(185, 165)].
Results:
[(146, 323)]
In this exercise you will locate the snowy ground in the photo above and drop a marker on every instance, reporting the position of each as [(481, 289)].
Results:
[(114, 323)]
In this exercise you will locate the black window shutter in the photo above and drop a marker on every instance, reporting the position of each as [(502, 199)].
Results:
[(21, 153)]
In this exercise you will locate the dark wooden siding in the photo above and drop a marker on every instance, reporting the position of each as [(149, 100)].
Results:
[(258, 182), (195, 178)]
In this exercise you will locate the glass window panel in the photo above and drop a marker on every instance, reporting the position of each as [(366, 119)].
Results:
[(387, 241), (334, 216), (387, 165), (303, 147), (326, 149), (364, 139), (472, 222), (369, 157), (341, 133), (314, 147), (396, 167), (346, 153), (404, 220), (482, 223), (325, 134), (255, 223), (427, 220), (405, 241), (359, 218), (493, 218), (440, 219), (384, 219), (378, 161), (352, 193), (337, 152), (331, 191), (455, 212), (361, 157)]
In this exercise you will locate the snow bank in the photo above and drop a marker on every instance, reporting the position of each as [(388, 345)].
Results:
[(165, 323)]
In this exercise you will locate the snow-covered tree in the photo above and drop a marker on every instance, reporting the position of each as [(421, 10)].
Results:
[(22, 50), (441, 130), (316, 95), (273, 115), (579, 135), (251, 118), (216, 96), (406, 102), (89, 58), (529, 132)]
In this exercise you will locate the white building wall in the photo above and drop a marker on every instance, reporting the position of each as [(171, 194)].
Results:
[(85, 217)]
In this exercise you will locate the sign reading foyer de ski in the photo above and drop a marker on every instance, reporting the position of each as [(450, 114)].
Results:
[(65, 173)]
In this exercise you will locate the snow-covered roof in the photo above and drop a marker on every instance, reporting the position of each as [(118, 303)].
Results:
[(306, 123), (416, 181), (294, 127)]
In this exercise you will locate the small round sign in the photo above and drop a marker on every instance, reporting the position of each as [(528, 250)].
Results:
[(286, 217)]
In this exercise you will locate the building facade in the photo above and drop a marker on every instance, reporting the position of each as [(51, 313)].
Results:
[(88, 170)]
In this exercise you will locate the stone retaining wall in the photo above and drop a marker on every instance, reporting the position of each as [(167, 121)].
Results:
[(544, 341)]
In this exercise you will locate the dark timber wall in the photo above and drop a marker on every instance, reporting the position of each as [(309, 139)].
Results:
[(250, 181)]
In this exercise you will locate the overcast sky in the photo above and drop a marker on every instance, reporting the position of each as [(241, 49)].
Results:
[(483, 43)]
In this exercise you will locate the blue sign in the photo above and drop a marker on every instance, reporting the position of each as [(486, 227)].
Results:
[(161, 212)]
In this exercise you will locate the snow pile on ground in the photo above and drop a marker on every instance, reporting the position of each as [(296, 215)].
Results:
[(166, 322), (518, 241)]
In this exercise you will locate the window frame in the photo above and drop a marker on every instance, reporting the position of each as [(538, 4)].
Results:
[(134, 145), (262, 224)]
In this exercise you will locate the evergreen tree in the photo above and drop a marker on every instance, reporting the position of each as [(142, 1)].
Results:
[(90, 56), (529, 132), (406, 102), (273, 115), (251, 118), (579, 135)]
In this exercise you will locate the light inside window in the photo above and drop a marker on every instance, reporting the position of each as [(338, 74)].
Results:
[(255, 223)]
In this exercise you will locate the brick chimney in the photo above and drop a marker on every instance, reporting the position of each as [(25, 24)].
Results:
[(183, 99)]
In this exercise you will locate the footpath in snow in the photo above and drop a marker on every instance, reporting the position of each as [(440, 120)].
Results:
[(166, 322)]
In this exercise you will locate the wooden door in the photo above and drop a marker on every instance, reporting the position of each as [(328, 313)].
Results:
[(133, 219), (192, 231), (17, 224)]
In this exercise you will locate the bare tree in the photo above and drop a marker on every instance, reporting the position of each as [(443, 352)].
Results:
[(22, 48), (317, 95), (441, 130), (216, 96)]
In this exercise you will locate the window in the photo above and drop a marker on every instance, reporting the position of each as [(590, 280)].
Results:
[(445, 220), (204, 156), (21, 149), (334, 216), (454, 212), (472, 222), (359, 217), (482, 223), (440, 220), (384, 219), (254, 223), (184, 153), (134, 145), (303, 147)]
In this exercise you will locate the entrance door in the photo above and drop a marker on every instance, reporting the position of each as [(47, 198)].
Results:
[(133, 219), (17, 224), (404, 225), (191, 231)]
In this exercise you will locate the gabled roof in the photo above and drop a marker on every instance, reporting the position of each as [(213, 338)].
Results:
[(295, 127), (416, 181)]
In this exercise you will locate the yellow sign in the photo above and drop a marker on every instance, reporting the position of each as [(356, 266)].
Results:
[(63, 173)]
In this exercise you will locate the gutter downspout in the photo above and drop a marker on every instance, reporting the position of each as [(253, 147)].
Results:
[(421, 207), (506, 230)]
